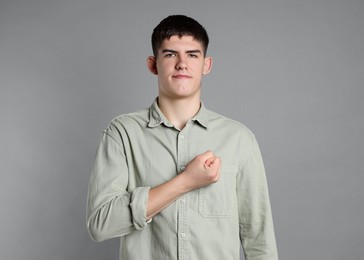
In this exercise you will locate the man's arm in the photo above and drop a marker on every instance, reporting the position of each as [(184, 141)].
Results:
[(112, 211), (255, 217), (203, 170)]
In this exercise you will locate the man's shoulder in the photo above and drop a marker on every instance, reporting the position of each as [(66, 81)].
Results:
[(139, 115), (228, 124), (129, 121)]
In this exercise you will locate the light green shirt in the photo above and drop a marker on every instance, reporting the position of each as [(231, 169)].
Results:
[(142, 150)]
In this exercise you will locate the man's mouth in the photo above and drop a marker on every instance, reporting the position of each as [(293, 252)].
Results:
[(181, 76)]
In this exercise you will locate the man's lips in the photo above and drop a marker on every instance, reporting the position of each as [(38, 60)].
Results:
[(181, 76)]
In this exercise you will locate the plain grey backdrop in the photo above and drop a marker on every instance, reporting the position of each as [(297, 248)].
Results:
[(292, 71)]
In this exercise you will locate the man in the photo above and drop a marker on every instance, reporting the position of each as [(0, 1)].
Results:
[(177, 181)]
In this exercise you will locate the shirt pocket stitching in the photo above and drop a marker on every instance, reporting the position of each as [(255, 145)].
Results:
[(216, 200)]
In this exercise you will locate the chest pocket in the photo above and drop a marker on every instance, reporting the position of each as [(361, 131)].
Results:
[(218, 200)]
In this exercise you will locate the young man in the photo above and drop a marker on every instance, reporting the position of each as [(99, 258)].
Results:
[(177, 181)]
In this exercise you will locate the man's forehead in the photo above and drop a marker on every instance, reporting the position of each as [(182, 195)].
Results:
[(185, 41)]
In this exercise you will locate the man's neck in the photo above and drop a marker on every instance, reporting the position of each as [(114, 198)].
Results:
[(179, 111)]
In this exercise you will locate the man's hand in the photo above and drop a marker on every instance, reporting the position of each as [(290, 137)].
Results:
[(203, 170)]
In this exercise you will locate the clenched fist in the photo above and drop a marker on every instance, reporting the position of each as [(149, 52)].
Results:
[(203, 170)]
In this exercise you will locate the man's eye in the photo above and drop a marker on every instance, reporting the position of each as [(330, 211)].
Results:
[(168, 55), (193, 55)]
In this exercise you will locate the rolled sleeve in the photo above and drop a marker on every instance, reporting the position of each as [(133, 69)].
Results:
[(138, 207)]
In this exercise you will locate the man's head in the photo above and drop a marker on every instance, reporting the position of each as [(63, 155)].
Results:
[(179, 61), (178, 25)]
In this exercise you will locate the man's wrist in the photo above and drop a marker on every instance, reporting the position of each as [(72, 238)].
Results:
[(183, 183)]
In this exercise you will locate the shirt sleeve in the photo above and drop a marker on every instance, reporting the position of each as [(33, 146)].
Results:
[(255, 217), (112, 210)]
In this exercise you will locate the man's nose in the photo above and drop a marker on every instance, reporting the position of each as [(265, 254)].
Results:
[(181, 63)]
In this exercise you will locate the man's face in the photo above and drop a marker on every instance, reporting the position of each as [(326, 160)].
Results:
[(180, 65)]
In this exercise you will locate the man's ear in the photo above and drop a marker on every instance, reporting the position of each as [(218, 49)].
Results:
[(152, 64), (207, 66)]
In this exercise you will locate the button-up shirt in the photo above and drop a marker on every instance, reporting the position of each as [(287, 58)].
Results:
[(141, 150)]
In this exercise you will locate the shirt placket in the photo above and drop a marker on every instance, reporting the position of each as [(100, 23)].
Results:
[(182, 203)]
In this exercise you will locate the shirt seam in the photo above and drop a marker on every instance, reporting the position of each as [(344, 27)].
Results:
[(242, 164), (112, 136)]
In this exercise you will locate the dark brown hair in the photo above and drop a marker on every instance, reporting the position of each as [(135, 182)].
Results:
[(179, 25)]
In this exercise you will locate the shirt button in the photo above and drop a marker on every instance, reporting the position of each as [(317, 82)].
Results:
[(183, 168), (182, 200), (182, 136), (183, 235)]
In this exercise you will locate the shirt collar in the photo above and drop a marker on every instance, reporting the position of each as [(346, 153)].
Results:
[(157, 118)]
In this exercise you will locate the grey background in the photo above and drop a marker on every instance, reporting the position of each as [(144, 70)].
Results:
[(292, 71)]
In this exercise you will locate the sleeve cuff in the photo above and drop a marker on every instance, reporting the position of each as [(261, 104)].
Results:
[(138, 205)]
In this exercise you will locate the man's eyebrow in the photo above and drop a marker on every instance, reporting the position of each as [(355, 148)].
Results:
[(168, 50), (194, 51), (173, 51)]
